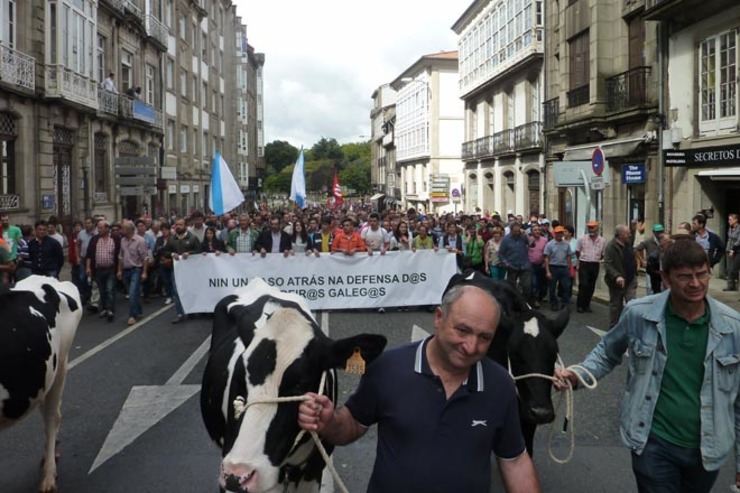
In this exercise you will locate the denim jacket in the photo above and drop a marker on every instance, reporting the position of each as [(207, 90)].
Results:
[(641, 331)]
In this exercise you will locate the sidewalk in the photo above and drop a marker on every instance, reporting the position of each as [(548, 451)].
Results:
[(729, 298)]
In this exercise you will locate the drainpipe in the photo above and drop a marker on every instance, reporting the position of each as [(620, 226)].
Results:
[(662, 46)]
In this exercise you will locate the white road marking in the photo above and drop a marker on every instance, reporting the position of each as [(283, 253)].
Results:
[(147, 405), (92, 352), (418, 334), (598, 332)]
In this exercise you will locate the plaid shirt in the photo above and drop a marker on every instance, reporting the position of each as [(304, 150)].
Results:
[(134, 252), (105, 252), (590, 250)]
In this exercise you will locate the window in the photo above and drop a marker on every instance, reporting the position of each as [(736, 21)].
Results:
[(150, 71), (181, 26), (195, 88), (183, 138), (127, 75), (183, 82), (204, 47), (214, 104), (100, 165), (718, 82), (204, 96), (579, 70), (101, 58), (168, 13), (194, 36), (170, 74), (195, 142), (9, 25), (8, 166), (205, 144), (170, 137)]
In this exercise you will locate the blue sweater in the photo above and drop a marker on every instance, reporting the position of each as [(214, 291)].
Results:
[(513, 252)]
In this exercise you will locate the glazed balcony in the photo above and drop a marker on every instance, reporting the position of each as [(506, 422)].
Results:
[(17, 68), (62, 82), (628, 90)]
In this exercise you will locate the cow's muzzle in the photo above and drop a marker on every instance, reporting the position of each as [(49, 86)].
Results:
[(541, 414), (239, 478)]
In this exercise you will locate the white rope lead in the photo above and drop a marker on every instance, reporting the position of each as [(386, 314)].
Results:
[(240, 407), (569, 410)]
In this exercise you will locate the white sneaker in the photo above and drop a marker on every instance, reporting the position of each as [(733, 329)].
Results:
[(168, 301)]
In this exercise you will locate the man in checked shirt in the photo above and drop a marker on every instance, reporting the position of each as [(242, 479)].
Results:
[(132, 268)]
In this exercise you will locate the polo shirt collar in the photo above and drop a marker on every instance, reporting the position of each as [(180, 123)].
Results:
[(474, 382)]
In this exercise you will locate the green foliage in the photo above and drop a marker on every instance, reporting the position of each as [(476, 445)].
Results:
[(280, 154), (280, 182), (356, 176), (327, 149), (351, 160)]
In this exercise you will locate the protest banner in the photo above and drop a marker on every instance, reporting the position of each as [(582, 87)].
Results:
[(330, 281)]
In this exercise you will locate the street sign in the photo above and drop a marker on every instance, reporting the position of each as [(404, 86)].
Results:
[(136, 161), (597, 183), (597, 161), (124, 191)]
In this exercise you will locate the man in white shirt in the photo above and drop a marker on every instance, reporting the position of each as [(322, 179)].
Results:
[(108, 84), (376, 238)]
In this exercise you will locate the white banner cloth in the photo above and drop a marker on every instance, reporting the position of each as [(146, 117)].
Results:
[(331, 281)]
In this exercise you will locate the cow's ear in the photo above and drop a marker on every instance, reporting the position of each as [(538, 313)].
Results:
[(371, 345), (558, 325)]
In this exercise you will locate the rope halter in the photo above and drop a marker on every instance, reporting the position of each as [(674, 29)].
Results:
[(241, 405)]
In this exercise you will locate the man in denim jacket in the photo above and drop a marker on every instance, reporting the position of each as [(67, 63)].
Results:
[(680, 414)]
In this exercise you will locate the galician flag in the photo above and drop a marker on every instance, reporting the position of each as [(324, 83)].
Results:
[(225, 192), (336, 191), (298, 184)]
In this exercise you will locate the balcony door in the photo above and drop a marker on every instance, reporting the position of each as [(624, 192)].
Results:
[(9, 19), (63, 146), (636, 80)]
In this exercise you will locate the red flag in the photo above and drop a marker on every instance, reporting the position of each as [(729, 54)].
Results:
[(337, 191)]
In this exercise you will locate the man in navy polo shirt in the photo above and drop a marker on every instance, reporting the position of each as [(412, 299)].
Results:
[(440, 405)]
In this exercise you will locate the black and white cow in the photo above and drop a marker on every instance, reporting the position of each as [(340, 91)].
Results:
[(266, 344), (525, 342), (39, 318)]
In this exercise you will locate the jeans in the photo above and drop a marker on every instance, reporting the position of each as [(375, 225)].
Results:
[(132, 281), (560, 274), (539, 282), (667, 468), (497, 272), (168, 279), (524, 277), (105, 277)]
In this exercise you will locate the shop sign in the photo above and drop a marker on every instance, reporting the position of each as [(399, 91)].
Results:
[(704, 156), (633, 173), (573, 173)]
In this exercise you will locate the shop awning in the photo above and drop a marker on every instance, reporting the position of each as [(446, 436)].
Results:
[(612, 148), (721, 174), (377, 196)]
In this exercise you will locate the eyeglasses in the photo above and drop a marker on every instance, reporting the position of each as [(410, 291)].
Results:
[(699, 276)]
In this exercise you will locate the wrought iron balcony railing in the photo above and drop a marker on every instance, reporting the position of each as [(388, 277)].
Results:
[(17, 68), (527, 136), (115, 5), (63, 82), (468, 150), (503, 141), (108, 102), (551, 111), (627, 90), (10, 202), (157, 30), (578, 96)]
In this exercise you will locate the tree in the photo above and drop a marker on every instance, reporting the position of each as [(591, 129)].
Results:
[(280, 154), (327, 149), (356, 176), (280, 182), (356, 150)]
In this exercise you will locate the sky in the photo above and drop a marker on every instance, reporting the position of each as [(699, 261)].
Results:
[(324, 58)]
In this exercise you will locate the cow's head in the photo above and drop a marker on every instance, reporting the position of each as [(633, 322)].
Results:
[(281, 352), (533, 348)]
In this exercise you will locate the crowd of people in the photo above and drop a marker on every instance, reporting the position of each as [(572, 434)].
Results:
[(543, 258)]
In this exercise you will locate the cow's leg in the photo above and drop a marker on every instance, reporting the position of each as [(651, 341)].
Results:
[(528, 429), (51, 409)]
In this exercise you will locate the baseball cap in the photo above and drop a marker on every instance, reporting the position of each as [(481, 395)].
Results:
[(559, 229), (592, 224), (658, 228)]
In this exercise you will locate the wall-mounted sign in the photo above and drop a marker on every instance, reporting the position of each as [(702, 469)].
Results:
[(704, 156), (173, 189), (633, 173), (577, 173), (184, 188), (196, 188), (47, 201)]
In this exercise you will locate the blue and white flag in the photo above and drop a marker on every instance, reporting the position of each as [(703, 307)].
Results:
[(225, 192), (298, 184)]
